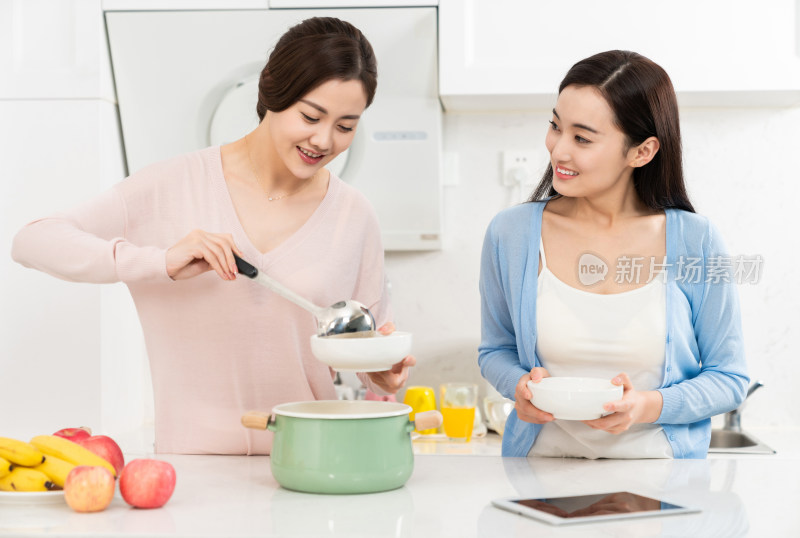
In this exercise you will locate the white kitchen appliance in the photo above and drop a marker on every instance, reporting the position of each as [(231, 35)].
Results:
[(187, 79)]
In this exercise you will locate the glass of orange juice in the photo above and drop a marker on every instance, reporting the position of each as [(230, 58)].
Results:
[(458, 402)]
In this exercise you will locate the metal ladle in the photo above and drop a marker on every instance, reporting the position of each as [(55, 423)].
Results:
[(339, 318)]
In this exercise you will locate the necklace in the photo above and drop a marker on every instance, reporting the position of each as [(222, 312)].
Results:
[(272, 198)]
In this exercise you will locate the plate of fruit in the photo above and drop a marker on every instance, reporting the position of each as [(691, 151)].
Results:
[(81, 469)]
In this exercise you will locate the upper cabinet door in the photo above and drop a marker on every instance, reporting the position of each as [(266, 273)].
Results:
[(512, 54), (53, 49)]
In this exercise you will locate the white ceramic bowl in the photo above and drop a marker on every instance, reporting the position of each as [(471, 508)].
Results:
[(362, 354), (574, 398)]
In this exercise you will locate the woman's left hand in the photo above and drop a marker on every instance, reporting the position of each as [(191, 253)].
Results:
[(392, 380), (634, 407)]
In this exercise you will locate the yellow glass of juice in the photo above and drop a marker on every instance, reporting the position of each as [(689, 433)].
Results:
[(458, 402)]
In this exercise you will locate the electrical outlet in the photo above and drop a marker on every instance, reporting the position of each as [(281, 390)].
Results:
[(519, 167)]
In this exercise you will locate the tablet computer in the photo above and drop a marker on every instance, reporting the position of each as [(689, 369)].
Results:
[(591, 508)]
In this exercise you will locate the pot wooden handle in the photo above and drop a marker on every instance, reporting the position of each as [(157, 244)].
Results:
[(427, 420), (256, 420)]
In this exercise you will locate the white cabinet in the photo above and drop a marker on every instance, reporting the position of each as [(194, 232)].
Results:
[(53, 49), (512, 54), (70, 354)]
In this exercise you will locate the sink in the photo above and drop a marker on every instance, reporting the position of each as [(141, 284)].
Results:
[(732, 439), (726, 439), (733, 442)]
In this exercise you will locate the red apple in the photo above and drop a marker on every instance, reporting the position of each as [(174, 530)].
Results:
[(146, 483), (105, 447), (89, 488), (73, 434)]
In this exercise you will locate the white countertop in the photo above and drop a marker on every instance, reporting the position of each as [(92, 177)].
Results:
[(449, 495)]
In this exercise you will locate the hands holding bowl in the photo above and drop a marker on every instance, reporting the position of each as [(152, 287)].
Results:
[(610, 406), (393, 379)]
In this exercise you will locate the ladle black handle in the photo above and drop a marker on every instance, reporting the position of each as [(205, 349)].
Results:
[(245, 268)]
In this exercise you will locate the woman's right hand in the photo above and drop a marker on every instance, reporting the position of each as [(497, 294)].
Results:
[(522, 396), (201, 251)]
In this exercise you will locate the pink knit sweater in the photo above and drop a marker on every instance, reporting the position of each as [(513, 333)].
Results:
[(216, 348)]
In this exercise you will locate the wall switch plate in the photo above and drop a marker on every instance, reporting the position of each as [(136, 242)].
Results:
[(519, 167)]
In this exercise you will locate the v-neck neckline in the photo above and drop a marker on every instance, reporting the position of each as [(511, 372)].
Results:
[(242, 240)]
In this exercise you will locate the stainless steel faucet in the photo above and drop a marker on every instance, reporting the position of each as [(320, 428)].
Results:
[(733, 419)]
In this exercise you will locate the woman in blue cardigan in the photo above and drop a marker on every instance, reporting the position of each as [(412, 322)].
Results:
[(608, 272)]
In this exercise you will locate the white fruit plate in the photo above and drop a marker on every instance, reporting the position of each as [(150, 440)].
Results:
[(358, 353), (31, 497)]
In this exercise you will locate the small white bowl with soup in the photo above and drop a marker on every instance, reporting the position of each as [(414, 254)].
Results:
[(364, 351)]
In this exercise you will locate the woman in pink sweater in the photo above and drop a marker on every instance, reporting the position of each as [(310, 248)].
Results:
[(219, 345)]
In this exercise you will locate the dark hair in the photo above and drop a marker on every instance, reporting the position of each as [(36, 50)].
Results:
[(311, 53), (643, 100)]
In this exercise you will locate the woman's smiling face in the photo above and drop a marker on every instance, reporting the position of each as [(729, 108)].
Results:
[(589, 153), (318, 127)]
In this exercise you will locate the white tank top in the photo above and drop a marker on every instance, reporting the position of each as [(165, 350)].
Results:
[(587, 334)]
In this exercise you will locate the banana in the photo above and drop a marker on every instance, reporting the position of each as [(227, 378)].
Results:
[(66, 450), (25, 479), (5, 467), (56, 469), (20, 452)]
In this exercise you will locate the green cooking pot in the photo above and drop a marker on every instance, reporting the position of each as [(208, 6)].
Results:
[(341, 446)]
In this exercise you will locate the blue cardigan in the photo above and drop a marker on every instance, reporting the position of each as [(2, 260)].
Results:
[(704, 368)]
